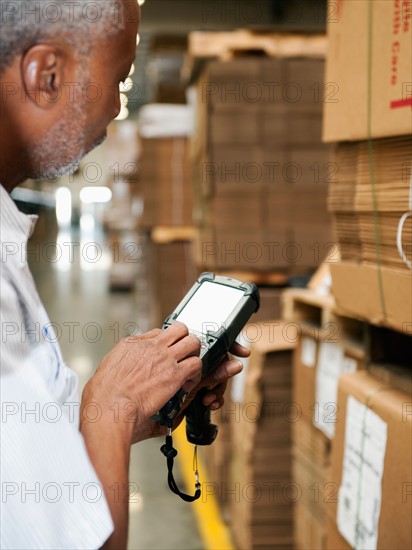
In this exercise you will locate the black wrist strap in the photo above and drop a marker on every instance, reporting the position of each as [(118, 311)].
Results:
[(170, 453)]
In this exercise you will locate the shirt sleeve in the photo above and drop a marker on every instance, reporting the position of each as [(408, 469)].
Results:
[(51, 497)]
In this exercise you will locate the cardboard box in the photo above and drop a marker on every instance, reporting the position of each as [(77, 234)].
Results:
[(390, 355), (270, 304), (357, 291), (312, 442), (313, 242), (372, 465), (303, 82), (312, 479), (313, 164), (335, 541), (235, 126), (321, 358), (294, 127), (231, 164), (217, 457), (367, 217), (241, 249), (349, 94), (316, 493), (261, 470), (237, 201), (233, 82), (255, 158), (165, 182), (310, 533), (172, 273), (397, 377), (264, 80)]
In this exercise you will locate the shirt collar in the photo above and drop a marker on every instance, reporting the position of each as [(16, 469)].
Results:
[(14, 224)]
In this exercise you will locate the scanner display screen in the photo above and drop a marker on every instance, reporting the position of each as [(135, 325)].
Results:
[(210, 307)]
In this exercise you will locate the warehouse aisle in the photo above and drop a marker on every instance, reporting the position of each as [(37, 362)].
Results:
[(72, 279)]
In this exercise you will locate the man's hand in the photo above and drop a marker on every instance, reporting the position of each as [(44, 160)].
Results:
[(131, 384), (139, 376), (215, 383)]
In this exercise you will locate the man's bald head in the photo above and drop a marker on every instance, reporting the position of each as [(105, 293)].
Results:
[(77, 22)]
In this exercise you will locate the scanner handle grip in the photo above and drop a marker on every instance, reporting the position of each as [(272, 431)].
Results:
[(199, 429)]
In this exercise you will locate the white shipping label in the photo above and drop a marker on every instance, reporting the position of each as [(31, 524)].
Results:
[(349, 364), (360, 494), (308, 352), (329, 370)]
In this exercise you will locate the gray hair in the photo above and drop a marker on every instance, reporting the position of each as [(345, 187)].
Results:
[(78, 22)]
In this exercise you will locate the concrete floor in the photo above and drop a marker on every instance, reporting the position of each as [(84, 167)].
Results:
[(91, 319)]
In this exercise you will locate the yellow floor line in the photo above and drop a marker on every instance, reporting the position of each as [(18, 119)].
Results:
[(215, 535)]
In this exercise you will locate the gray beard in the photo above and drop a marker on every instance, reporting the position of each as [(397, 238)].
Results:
[(61, 149)]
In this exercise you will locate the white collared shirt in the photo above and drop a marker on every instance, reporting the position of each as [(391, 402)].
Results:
[(51, 497)]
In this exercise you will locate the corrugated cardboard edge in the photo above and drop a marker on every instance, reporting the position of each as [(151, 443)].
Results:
[(356, 290)]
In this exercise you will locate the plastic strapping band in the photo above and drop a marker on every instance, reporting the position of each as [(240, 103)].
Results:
[(372, 161), (402, 221)]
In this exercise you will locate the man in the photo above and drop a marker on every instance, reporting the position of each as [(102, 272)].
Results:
[(56, 455)]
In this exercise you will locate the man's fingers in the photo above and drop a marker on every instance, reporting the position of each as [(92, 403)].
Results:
[(239, 350), (191, 371), (209, 398), (133, 338), (189, 345), (217, 404), (151, 334), (225, 370), (213, 401), (175, 332)]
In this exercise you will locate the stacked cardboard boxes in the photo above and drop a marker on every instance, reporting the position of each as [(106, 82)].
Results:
[(120, 220), (371, 459), (371, 466), (165, 183), (370, 205), (218, 456), (368, 213), (166, 190), (324, 352), (370, 463), (371, 200), (259, 166), (260, 491), (172, 270), (337, 510), (328, 345)]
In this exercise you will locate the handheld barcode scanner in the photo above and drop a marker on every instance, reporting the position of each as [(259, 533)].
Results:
[(215, 309)]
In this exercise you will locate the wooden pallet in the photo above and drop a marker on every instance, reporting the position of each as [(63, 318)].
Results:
[(224, 44), (162, 234)]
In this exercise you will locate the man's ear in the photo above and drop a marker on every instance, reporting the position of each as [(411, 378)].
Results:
[(42, 68)]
